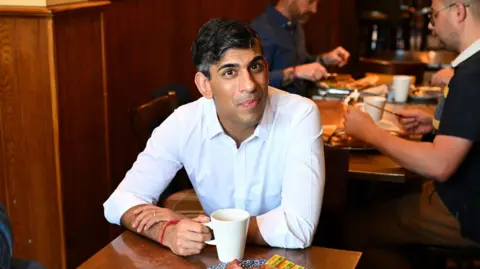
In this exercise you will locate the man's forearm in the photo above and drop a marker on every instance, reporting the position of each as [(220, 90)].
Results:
[(419, 157), (154, 232), (254, 236)]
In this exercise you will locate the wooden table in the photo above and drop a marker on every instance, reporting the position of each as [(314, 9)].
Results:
[(132, 251), (371, 165)]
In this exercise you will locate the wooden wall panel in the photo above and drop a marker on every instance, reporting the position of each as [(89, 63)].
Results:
[(28, 150), (82, 127)]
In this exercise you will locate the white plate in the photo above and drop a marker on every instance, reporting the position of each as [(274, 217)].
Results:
[(389, 126)]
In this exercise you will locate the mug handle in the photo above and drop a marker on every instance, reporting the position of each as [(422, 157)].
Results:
[(210, 242)]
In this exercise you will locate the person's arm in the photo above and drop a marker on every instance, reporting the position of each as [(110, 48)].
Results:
[(151, 173), (437, 160), (5, 240), (294, 222), (459, 127)]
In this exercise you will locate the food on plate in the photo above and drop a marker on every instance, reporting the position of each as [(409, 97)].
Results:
[(426, 91), (349, 83)]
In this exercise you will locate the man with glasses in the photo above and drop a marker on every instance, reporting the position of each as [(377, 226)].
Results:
[(447, 210)]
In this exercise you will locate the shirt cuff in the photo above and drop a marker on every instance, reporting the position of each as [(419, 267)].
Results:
[(119, 203), (275, 231), (276, 78)]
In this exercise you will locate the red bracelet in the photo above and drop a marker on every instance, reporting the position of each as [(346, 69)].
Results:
[(294, 71), (165, 228)]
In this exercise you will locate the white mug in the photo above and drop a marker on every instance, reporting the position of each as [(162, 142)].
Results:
[(230, 228), (401, 88), (374, 112)]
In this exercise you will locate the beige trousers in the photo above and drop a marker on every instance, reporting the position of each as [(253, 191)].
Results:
[(418, 218)]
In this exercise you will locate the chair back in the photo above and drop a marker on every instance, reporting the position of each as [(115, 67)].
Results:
[(148, 116), (330, 227)]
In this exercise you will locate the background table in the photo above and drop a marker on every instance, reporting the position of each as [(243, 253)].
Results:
[(371, 165), (132, 251)]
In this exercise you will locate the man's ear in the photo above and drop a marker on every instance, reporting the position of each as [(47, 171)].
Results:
[(203, 85), (461, 11)]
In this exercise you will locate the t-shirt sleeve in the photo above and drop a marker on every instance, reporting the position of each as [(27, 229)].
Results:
[(461, 113)]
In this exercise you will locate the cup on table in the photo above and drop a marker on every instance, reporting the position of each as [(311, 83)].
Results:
[(230, 227), (401, 88), (374, 112)]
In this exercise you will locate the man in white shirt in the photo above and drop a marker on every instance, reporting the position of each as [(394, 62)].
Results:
[(244, 145)]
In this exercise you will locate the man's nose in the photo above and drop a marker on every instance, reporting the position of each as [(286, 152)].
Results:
[(247, 82)]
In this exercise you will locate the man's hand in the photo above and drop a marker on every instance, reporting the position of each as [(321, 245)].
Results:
[(313, 71), (442, 77), (359, 124), (416, 121), (188, 236), (337, 57), (148, 215)]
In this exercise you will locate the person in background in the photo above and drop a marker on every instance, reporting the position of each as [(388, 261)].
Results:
[(5, 240), (243, 144), (447, 210), (7, 261), (291, 66)]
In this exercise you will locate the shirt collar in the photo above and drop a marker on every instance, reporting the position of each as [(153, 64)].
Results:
[(467, 53), (213, 123), (214, 127), (278, 18)]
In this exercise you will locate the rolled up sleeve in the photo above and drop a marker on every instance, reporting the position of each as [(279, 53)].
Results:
[(150, 174), (294, 222)]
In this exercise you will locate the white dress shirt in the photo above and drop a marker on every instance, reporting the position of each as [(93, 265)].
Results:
[(467, 53), (277, 174)]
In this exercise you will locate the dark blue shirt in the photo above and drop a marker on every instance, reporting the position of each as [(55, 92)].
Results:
[(284, 46), (5, 239)]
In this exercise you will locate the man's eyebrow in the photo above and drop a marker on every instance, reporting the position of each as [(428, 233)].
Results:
[(228, 65), (257, 58)]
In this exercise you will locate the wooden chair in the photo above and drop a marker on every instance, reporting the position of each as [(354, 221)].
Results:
[(412, 68), (148, 116), (179, 195), (330, 228)]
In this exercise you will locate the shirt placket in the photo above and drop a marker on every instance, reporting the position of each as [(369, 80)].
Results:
[(239, 177)]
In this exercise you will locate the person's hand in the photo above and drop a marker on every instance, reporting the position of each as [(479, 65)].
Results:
[(313, 71), (442, 77), (416, 121), (148, 215), (337, 57), (358, 124), (188, 236)]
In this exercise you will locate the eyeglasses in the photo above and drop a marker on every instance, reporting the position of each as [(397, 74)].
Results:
[(434, 13)]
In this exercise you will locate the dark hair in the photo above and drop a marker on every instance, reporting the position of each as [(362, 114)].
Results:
[(216, 37)]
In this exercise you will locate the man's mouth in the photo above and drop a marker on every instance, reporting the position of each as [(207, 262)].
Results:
[(251, 103)]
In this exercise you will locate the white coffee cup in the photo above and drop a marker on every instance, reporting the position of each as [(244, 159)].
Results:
[(230, 227), (374, 112), (401, 88)]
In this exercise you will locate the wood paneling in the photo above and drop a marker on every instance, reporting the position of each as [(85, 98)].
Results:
[(82, 127), (28, 151), (54, 167), (334, 25), (50, 11)]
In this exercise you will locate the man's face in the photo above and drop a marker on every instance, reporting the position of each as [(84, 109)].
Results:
[(239, 85), (302, 10), (442, 23)]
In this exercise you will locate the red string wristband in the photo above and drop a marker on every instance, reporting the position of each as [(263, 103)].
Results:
[(165, 228)]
